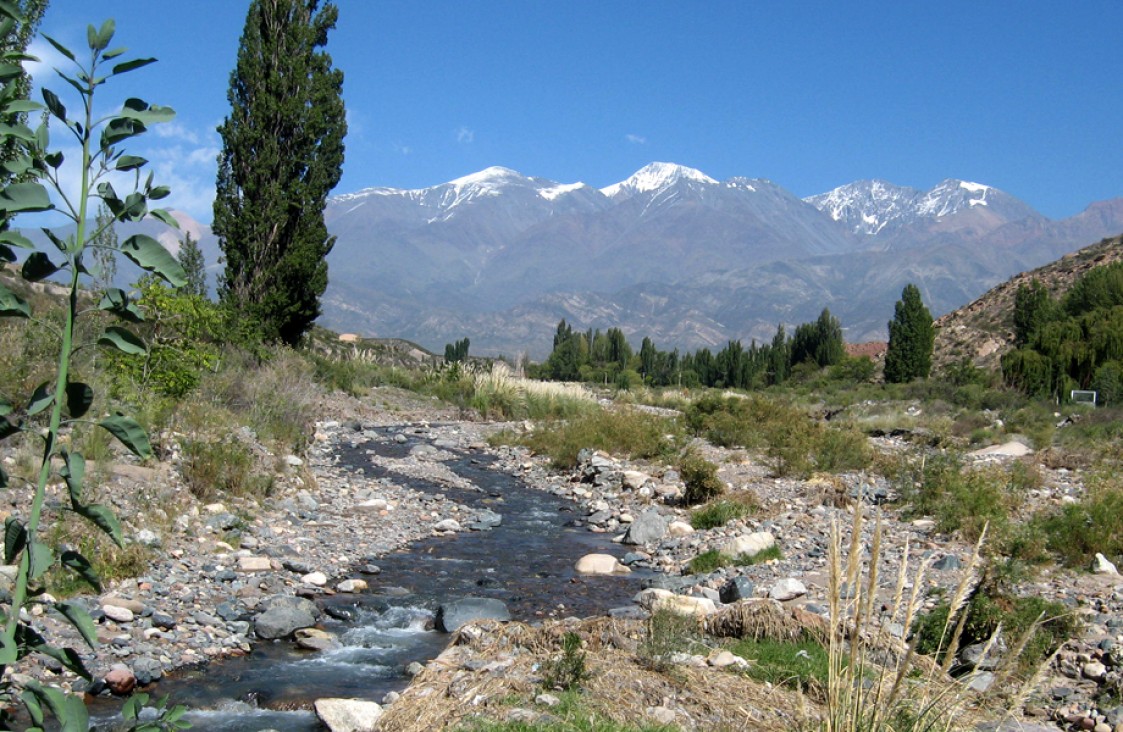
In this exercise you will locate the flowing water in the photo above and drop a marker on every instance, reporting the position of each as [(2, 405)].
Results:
[(527, 562)]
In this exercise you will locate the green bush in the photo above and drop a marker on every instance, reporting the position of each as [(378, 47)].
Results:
[(719, 513), (1078, 531), (699, 477), (568, 670), (803, 664), (713, 559), (221, 467), (668, 633), (627, 432)]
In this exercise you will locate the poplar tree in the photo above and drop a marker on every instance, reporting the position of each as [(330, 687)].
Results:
[(282, 153), (190, 257), (911, 338)]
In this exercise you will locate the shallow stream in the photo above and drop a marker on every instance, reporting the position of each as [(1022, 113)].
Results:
[(527, 562)]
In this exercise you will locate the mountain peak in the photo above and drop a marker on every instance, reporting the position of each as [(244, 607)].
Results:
[(494, 174), (655, 176)]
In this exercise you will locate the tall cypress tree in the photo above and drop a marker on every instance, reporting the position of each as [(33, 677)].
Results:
[(911, 337), (282, 153)]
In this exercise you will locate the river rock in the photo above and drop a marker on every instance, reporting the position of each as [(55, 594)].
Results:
[(1102, 565), (351, 585), (118, 614), (120, 680), (648, 528), (452, 615), (447, 525), (283, 616), (374, 505), (254, 564), (314, 639), (738, 588), (634, 479), (686, 605), (1094, 671), (316, 579), (787, 589), (600, 564), (485, 520), (748, 545), (348, 715), (679, 529)]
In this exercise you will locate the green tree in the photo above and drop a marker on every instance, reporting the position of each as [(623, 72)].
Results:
[(911, 337), (14, 38), (282, 152), (456, 352), (190, 257), (1032, 309), (103, 250)]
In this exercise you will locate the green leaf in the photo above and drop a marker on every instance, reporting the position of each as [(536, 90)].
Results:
[(102, 517), (42, 557), (41, 398), (70, 711), (163, 215), (55, 159), (80, 619), (79, 397), (22, 106), (99, 39), (6, 254), (17, 131), (74, 473), (61, 245), (130, 162), (141, 111), (60, 48), (6, 407), (130, 433), (15, 539), (16, 239), (81, 566), (24, 197), (38, 266), (68, 657), (9, 652), (34, 710), (110, 55), (123, 340), (12, 304), (118, 129), (159, 192), (117, 302), (54, 104), (136, 63), (151, 255)]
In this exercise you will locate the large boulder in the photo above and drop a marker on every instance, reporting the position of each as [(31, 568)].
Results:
[(787, 589), (348, 715), (686, 605), (283, 616), (648, 528), (452, 615), (748, 545)]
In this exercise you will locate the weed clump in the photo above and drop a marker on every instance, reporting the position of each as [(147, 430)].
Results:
[(627, 432), (719, 513), (568, 670), (699, 477)]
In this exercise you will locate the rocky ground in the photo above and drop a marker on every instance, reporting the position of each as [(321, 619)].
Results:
[(220, 572)]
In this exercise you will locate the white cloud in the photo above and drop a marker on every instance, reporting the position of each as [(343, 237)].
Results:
[(465, 136), (402, 149), (49, 60), (635, 139)]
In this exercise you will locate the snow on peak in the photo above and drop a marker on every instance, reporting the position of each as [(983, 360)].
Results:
[(973, 187), (655, 176), (488, 176), (556, 191)]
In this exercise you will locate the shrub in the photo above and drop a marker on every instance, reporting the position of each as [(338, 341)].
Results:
[(567, 670), (668, 633), (1095, 524), (627, 432), (221, 467), (699, 477), (719, 513)]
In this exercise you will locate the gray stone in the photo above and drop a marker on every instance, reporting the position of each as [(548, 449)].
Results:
[(787, 589), (1101, 565), (980, 681), (118, 614), (749, 545), (972, 655), (485, 520), (348, 715), (447, 525), (222, 521), (452, 615), (283, 616), (947, 562), (738, 588), (147, 671), (649, 527)]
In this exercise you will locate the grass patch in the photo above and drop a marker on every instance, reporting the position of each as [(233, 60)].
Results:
[(803, 664), (570, 715), (1095, 524), (713, 559), (699, 477), (226, 466), (719, 513), (668, 633), (626, 432)]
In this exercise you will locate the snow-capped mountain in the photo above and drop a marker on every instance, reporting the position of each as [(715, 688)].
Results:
[(903, 217), (669, 252)]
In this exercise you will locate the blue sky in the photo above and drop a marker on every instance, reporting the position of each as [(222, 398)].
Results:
[(1027, 96)]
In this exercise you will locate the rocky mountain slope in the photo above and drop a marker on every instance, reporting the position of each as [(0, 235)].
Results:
[(669, 253)]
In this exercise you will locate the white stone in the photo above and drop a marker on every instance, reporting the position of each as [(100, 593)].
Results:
[(319, 579), (374, 505), (215, 508), (293, 461), (348, 715), (351, 585), (254, 564), (686, 605), (678, 529), (634, 479), (600, 564), (1102, 565), (118, 614), (447, 525), (1094, 670), (1008, 449), (787, 589), (749, 545)]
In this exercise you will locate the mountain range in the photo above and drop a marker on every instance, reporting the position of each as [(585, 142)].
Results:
[(669, 253)]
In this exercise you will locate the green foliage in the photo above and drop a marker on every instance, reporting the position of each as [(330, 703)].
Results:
[(802, 664), (160, 717), (221, 467), (819, 343), (457, 352), (854, 369), (1033, 307), (1094, 524), (282, 152), (699, 477), (719, 513), (713, 559), (626, 432), (103, 251), (668, 633), (911, 338), (183, 332), (568, 670), (190, 257), (1101, 288), (61, 402)]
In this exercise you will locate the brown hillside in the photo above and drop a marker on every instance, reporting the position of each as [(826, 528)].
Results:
[(984, 329)]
